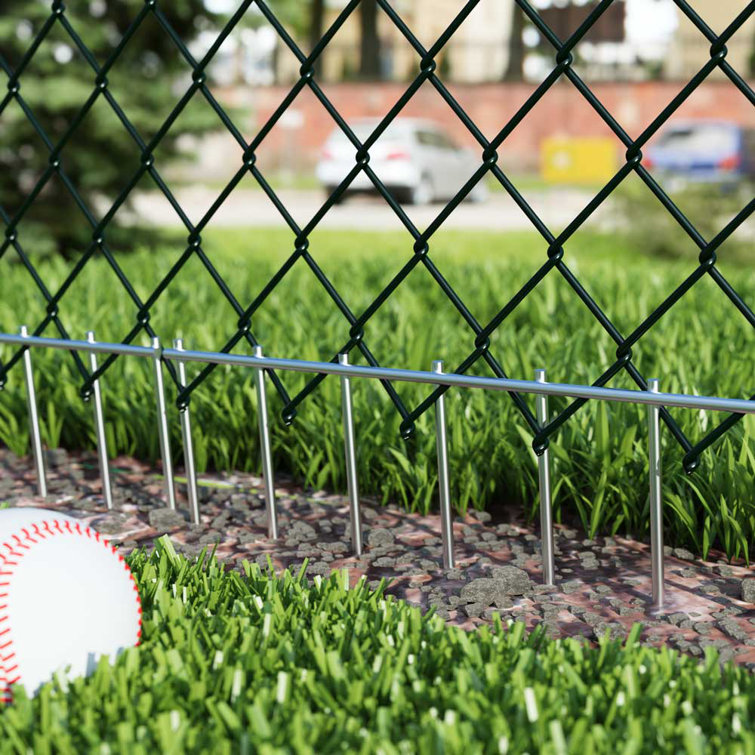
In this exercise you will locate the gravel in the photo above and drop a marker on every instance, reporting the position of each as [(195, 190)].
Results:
[(473, 610), (481, 516), (335, 547), (588, 604), (748, 590), (516, 581), (380, 537), (571, 586), (495, 591), (733, 629), (683, 554), (165, 519), (677, 618), (384, 561)]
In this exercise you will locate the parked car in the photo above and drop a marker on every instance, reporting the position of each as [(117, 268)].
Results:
[(416, 160), (709, 151)]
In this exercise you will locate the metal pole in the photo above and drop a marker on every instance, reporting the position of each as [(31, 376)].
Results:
[(706, 403), (351, 459), (267, 461), (546, 506), (162, 422), (34, 432), (446, 521), (191, 473), (99, 425), (656, 499)]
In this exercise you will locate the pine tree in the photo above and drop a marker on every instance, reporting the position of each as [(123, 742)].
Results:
[(100, 156)]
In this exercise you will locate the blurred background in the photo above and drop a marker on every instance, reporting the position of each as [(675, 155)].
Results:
[(635, 59)]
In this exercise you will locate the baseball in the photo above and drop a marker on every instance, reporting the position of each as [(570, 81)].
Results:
[(66, 599)]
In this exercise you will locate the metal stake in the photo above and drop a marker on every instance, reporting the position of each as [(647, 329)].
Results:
[(656, 499), (99, 425), (162, 422), (446, 521), (267, 461), (191, 473), (351, 459), (546, 506), (36, 438)]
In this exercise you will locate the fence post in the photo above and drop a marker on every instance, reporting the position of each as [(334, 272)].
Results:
[(99, 426), (34, 432), (162, 422), (191, 474), (347, 411), (267, 461), (444, 489), (544, 472), (656, 499)]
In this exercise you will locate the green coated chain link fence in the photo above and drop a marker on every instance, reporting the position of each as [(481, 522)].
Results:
[(555, 247)]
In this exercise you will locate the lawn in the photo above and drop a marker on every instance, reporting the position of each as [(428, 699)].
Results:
[(600, 455), (244, 661)]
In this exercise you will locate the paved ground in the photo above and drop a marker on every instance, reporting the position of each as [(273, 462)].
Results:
[(250, 208), (601, 584)]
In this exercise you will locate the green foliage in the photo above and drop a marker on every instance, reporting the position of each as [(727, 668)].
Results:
[(244, 661), (599, 456), (650, 227), (100, 157)]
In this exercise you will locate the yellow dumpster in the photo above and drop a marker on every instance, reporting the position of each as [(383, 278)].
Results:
[(574, 160)]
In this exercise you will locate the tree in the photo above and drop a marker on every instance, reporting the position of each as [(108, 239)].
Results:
[(515, 63), (304, 20), (316, 23), (369, 58), (147, 80)]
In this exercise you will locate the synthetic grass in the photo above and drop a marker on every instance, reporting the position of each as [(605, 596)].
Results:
[(600, 456), (247, 662)]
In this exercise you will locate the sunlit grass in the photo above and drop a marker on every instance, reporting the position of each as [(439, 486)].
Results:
[(245, 661), (600, 456)]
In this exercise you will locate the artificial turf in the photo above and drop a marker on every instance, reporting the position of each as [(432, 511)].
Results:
[(244, 661), (599, 456)]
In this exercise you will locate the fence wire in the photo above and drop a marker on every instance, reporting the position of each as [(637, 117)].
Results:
[(555, 257)]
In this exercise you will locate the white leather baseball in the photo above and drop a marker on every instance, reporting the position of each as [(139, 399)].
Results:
[(66, 599)]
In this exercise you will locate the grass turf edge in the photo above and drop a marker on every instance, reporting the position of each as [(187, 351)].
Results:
[(245, 661)]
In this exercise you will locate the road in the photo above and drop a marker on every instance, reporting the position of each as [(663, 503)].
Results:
[(252, 208)]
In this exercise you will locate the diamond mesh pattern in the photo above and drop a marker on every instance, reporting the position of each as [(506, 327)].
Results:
[(555, 262)]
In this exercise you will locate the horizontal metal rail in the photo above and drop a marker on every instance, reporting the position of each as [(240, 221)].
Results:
[(261, 364), (648, 398)]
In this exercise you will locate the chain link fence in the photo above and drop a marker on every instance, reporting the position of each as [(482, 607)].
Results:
[(555, 259)]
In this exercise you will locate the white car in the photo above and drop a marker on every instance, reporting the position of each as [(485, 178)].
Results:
[(415, 159)]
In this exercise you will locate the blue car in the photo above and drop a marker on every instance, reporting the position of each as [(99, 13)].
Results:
[(718, 152)]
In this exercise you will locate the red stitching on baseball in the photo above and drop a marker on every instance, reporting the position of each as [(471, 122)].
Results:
[(6, 694)]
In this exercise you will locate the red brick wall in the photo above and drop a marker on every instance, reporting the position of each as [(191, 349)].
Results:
[(562, 111)]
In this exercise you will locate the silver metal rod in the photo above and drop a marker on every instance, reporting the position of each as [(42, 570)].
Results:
[(708, 403), (544, 471), (267, 459), (656, 499), (711, 403), (34, 431), (162, 423), (351, 459), (191, 473), (444, 489), (99, 425), (65, 344)]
